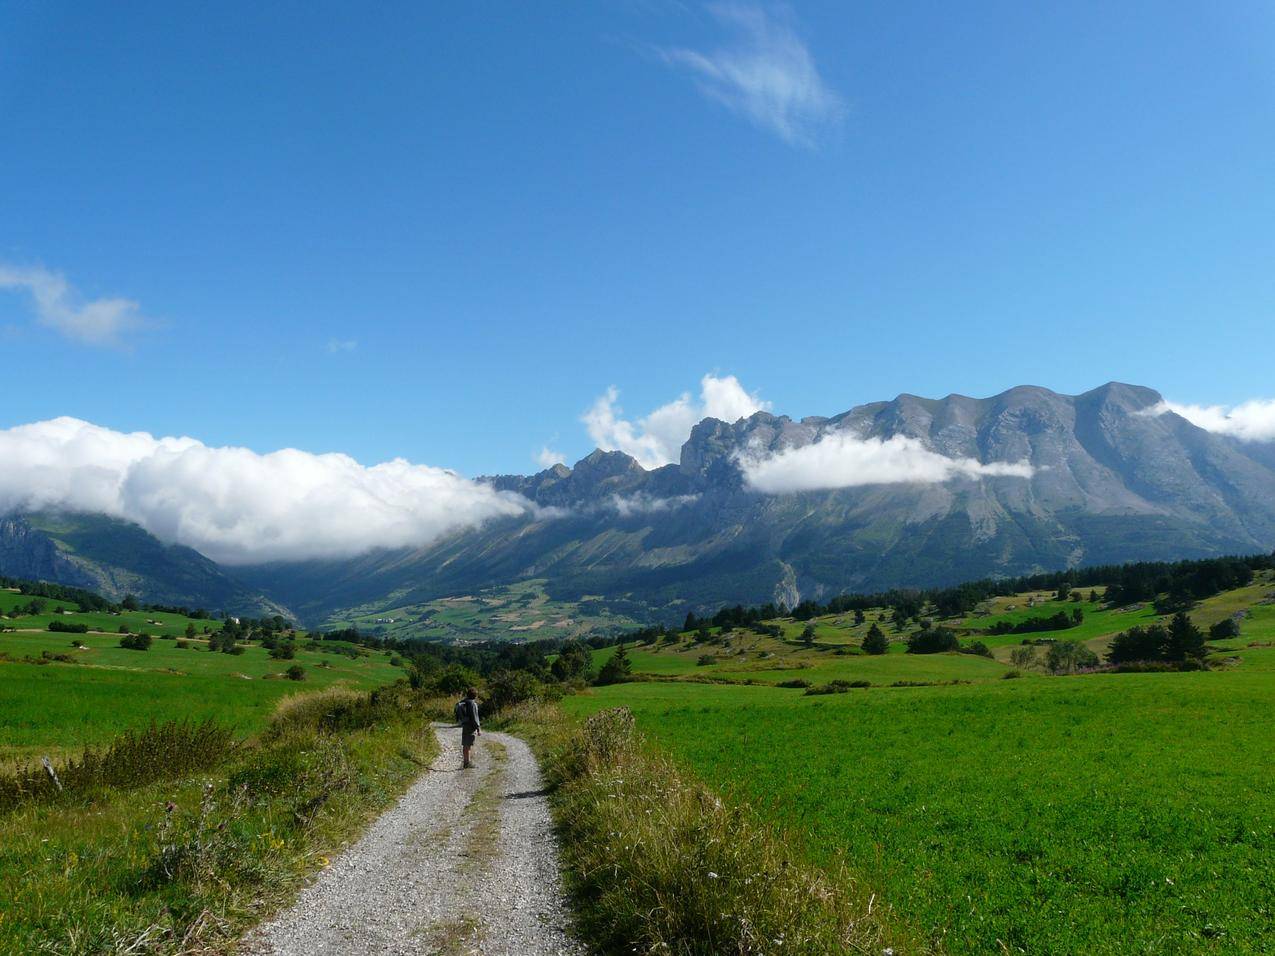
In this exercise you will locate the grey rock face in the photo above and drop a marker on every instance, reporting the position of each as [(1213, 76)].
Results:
[(1112, 482)]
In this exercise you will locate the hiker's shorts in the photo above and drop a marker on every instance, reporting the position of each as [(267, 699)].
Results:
[(467, 735)]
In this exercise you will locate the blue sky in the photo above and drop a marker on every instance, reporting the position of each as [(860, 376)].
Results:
[(443, 231)]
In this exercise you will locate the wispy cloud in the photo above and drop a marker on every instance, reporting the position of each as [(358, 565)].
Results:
[(841, 460), (657, 438), (102, 322), (336, 346), (766, 73), (547, 457), (1253, 420)]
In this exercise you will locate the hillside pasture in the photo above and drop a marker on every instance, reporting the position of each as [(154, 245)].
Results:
[(1107, 813), (60, 706)]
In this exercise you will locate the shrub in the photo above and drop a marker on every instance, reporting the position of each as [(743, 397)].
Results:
[(284, 651), (136, 642), (1224, 630), (933, 641), (796, 682), (506, 688), (978, 648), (1011, 675), (183, 643), (705, 659), (837, 687), (1067, 657), (295, 672), (1023, 656), (68, 627)]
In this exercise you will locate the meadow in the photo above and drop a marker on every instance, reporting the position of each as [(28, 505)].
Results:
[(50, 706), (1095, 813), (1102, 813)]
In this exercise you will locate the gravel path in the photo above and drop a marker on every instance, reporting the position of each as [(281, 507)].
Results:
[(465, 863)]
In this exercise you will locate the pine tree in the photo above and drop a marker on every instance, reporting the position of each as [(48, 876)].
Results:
[(875, 642)]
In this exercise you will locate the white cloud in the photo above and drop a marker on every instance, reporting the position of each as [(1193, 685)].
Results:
[(1250, 421), (767, 74), (233, 504), (95, 322), (657, 439), (628, 505), (840, 460), (342, 345), (547, 457)]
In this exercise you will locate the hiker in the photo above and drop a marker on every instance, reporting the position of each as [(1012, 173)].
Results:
[(470, 725)]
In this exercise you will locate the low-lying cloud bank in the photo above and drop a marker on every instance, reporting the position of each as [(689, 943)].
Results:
[(1251, 421), (841, 460), (235, 505)]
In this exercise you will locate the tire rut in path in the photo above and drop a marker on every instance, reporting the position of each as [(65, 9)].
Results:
[(465, 863)]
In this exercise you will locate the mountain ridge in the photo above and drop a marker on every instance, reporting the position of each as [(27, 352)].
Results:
[(1113, 477)]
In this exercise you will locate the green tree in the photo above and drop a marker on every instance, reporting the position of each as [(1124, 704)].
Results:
[(1067, 657), (190, 630), (617, 669), (875, 642), (573, 661), (129, 603), (808, 634), (1186, 641)]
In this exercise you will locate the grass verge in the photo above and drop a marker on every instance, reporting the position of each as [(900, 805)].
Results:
[(657, 863), (185, 865)]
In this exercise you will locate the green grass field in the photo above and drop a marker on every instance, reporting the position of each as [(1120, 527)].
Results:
[(48, 708), (1103, 813), (1097, 814)]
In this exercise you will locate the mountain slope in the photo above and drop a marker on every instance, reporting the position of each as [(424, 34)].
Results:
[(115, 558), (1112, 482)]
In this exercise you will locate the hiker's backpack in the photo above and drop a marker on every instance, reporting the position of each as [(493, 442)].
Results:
[(464, 712)]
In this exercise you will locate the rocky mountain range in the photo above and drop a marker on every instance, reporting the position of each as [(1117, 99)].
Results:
[(1102, 477)]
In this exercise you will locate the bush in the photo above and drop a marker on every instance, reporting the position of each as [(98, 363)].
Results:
[(283, 651), (933, 641), (631, 825), (978, 648), (507, 688), (1224, 630), (797, 683), (837, 687), (1067, 657), (181, 643), (451, 681), (295, 672), (67, 627), (1023, 656), (136, 642), (1011, 675), (705, 659)]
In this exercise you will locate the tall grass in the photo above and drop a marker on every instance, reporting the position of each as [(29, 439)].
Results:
[(183, 865), (659, 864), (133, 759)]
